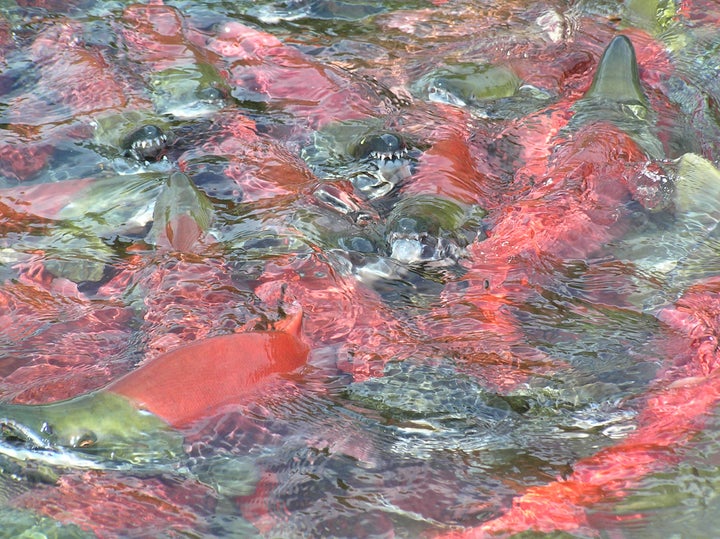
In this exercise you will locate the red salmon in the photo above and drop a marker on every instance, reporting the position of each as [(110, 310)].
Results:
[(192, 381)]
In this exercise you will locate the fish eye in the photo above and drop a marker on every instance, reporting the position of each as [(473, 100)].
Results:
[(85, 440)]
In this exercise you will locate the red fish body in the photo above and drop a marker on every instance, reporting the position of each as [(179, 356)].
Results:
[(74, 75), (53, 336), (451, 167), (75, 85), (54, 332), (262, 66), (43, 201), (196, 379), (579, 203), (23, 156), (577, 207), (342, 314), (674, 411), (568, 195), (166, 46), (155, 37), (258, 167)]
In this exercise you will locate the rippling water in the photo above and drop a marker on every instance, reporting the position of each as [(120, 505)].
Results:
[(484, 247)]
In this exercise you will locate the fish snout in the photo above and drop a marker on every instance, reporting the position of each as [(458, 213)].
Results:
[(20, 434)]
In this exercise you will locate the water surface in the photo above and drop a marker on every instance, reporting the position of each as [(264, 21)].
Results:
[(449, 370)]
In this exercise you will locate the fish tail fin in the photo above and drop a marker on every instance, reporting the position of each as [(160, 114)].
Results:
[(292, 323)]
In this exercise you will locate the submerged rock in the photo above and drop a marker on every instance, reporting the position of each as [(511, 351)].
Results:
[(27, 524), (424, 397)]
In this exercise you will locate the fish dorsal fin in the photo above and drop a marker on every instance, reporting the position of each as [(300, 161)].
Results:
[(292, 323), (617, 77), (616, 96)]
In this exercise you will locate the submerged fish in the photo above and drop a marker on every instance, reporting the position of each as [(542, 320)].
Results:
[(134, 419), (195, 380), (680, 245), (674, 411), (616, 95), (688, 388)]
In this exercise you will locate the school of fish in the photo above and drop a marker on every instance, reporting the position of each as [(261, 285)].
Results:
[(202, 222)]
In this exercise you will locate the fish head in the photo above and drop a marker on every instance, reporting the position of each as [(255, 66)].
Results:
[(470, 84), (189, 92), (428, 229), (103, 427)]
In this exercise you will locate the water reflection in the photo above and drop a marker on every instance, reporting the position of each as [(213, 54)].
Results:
[(504, 248)]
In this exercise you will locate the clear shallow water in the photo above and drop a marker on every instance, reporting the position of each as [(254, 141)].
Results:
[(454, 362)]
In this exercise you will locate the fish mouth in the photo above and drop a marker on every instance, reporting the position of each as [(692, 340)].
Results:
[(149, 147), (438, 94), (382, 147), (26, 448), (145, 144), (19, 435), (382, 157), (385, 171), (415, 248)]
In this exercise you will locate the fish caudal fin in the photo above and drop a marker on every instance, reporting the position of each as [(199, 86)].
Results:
[(182, 214), (697, 189)]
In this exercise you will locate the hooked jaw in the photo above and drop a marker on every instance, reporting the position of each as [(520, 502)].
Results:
[(384, 147), (389, 156), (145, 144), (411, 244), (18, 433)]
